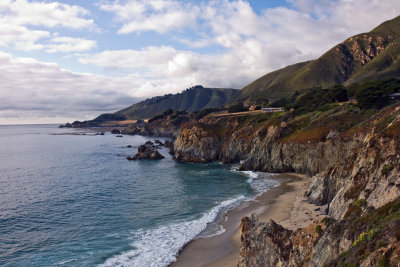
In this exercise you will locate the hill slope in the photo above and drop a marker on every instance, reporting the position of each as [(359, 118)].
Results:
[(367, 56), (192, 99)]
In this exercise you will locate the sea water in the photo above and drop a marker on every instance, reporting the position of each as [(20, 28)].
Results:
[(70, 198)]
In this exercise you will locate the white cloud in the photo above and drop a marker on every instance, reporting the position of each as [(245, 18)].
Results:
[(44, 89), (69, 44), (147, 58), (252, 44), (23, 12), (19, 20), (21, 37), (154, 15)]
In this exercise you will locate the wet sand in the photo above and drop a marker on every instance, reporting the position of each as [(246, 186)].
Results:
[(284, 204)]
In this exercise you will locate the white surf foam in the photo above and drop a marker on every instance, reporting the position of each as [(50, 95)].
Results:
[(160, 247), (261, 183)]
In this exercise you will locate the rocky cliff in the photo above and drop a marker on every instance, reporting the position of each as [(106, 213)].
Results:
[(352, 155)]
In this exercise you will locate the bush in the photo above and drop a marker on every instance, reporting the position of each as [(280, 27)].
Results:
[(383, 262), (161, 115), (109, 117), (387, 168), (204, 112), (281, 102), (318, 229), (360, 203), (318, 98), (366, 236), (239, 107), (376, 94)]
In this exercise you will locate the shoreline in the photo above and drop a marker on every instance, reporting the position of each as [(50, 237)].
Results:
[(285, 204)]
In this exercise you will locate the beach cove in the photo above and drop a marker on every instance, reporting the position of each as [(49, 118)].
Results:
[(285, 204)]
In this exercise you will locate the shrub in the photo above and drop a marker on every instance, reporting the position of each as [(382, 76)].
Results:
[(318, 229), (204, 112), (318, 98), (279, 103), (383, 262), (387, 168), (239, 107), (366, 236), (360, 203), (161, 115), (376, 94)]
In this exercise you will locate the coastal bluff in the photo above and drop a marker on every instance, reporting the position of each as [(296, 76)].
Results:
[(353, 161)]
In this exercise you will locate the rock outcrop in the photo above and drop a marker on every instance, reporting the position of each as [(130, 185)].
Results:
[(188, 148), (269, 244), (146, 151)]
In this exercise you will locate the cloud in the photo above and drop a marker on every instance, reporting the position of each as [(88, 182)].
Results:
[(23, 12), (250, 44), (19, 20), (147, 58), (159, 16), (39, 89), (69, 44)]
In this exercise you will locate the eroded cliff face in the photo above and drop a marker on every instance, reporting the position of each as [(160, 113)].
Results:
[(269, 244), (189, 149), (344, 169), (358, 164)]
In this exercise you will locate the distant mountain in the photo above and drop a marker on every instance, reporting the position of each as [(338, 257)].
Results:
[(192, 99), (367, 56)]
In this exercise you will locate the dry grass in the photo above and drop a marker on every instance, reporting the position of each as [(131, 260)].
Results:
[(253, 112), (118, 123)]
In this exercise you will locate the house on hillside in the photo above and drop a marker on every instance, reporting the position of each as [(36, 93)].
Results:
[(395, 96), (267, 110)]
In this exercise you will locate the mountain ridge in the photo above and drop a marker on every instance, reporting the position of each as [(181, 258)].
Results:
[(366, 56), (191, 99)]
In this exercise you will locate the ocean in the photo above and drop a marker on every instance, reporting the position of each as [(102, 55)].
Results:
[(70, 198)]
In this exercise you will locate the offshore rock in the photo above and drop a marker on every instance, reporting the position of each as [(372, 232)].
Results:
[(115, 131), (146, 151)]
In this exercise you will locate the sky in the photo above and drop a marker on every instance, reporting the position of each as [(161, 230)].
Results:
[(69, 60)]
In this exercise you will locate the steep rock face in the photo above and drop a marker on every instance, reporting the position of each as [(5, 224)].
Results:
[(343, 169), (269, 244), (355, 173), (188, 148)]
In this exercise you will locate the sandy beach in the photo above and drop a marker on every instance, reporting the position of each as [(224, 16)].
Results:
[(285, 204)]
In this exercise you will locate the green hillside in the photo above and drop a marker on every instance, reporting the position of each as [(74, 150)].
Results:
[(364, 57), (192, 99)]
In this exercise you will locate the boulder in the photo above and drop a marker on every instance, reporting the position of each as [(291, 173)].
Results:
[(158, 143), (115, 131)]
